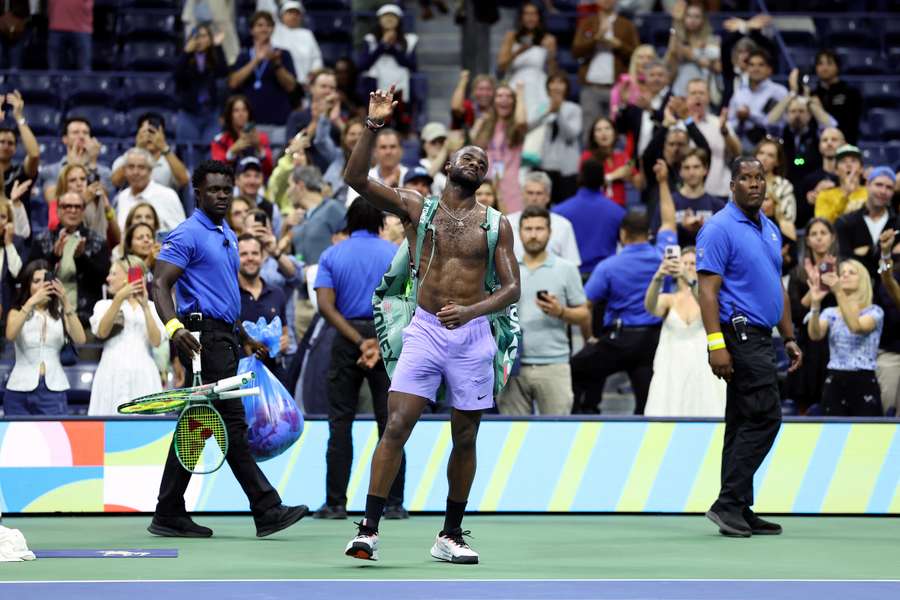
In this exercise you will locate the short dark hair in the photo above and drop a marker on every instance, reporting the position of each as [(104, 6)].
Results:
[(388, 131), (210, 166), (760, 52), (533, 212), (319, 72), (830, 54), (636, 223), (76, 119), (701, 155), (591, 175), (14, 133), (262, 14), (249, 236), (740, 160), (362, 216), (560, 76), (151, 116)]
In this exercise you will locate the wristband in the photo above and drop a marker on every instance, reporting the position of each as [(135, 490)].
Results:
[(374, 125), (715, 341), (172, 326)]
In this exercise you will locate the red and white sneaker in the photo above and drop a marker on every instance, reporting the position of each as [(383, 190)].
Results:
[(365, 545), (451, 547)]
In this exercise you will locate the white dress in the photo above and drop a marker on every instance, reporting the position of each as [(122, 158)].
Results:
[(127, 369), (683, 384), (530, 68)]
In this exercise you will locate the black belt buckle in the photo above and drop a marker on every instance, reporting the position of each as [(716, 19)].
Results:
[(195, 316), (739, 322), (616, 329)]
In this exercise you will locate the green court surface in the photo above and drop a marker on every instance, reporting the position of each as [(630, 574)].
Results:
[(511, 547)]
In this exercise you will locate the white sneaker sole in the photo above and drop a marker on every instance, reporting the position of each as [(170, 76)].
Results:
[(362, 552), (437, 553)]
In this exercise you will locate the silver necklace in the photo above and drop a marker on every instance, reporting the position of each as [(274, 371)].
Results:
[(460, 221)]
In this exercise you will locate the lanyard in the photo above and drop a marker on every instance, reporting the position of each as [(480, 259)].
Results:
[(258, 70)]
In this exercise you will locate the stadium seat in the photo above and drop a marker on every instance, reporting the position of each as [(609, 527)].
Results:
[(411, 152), (242, 27), (332, 27), (52, 149), (169, 5), (566, 61), (104, 56), (105, 121), (874, 153), (145, 25), (325, 5), (880, 93), (885, 123), (891, 33), (854, 33), (147, 89), (893, 58), (804, 58), (113, 148), (332, 51), (563, 27), (43, 119), (799, 37), (36, 88), (89, 88), (861, 61), (148, 56)]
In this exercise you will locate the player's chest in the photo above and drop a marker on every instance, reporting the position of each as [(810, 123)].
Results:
[(452, 240)]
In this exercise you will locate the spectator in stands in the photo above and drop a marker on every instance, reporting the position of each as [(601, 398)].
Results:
[(486, 195), (693, 51), (638, 120), (198, 72), (559, 122), (537, 191), (291, 35), (630, 333), (839, 99), (99, 215), (141, 188), (41, 318), (693, 205), (388, 168), (16, 33), (742, 38), (78, 256), (823, 178), (750, 104), (501, 132), (10, 258), (240, 136), (437, 145), (18, 203), (804, 386), (618, 167), (552, 298), (219, 13), (28, 168), (671, 142), (130, 328), (140, 241), (419, 180), (604, 41), (168, 170), (853, 329), (527, 55), (347, 76), (476, 19), (389, 56), (770, 153), (594, 217), (683, 384), (82, 149), (264, 74), (295, 155), (888, 364), (724, 146), (69, 41), (858, 232), (237, 213), (633, 84), (347, 277), (850, 194), (323, 113), (141, 213), (248, 181), (465, 111)]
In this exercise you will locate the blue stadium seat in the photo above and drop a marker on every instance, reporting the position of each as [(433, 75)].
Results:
[(332, 51), (880, 93), (105, 121), (803, 57), (332, 27), (411, 152), (147, 89), (36, 88), (242, 27), (566, 61), (885, 123), (795, 37), (891, 32), (52, 149), (145, 25), (861, 61), (893, 58), (114, 147), (333, 5), (43, 119), (874, 153), (90, 88), (563, 27), (854, 33), (148, 56), (104, 56), (169, 5)]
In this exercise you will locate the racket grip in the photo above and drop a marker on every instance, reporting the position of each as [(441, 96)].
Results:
[(239, 393), (195, 358), (229, 383)]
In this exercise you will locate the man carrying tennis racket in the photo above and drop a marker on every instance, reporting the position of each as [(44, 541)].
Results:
[(199, 259)]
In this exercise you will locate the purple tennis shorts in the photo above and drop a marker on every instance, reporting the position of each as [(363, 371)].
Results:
[(463, 358)]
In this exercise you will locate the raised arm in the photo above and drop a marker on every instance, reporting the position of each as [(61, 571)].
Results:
[(458, 99), (406, 204), (666, 203)]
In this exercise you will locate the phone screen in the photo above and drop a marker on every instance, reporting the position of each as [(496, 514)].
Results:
[(49, 276), (135, 274), (261, 219)]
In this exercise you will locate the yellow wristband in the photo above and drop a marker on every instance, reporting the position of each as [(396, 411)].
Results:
[(173, 325), (715, 346), (715, 337)]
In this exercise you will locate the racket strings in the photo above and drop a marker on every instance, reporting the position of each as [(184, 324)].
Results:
[(200, 438)]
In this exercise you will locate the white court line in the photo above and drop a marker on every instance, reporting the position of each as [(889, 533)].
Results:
[(143, 581)]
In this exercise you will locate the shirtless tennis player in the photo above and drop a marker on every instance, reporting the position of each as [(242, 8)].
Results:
[(449, 338)]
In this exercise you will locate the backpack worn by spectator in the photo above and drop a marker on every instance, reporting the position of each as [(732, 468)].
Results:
[(395, 299)]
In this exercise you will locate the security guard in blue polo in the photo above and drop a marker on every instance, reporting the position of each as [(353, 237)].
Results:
[(200, 260), (742, 298)]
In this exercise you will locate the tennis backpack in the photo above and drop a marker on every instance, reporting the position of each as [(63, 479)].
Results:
[(394, 301)]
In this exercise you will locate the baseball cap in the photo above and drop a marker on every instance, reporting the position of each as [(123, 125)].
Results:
[(848, 150), (433, 131), (247, 163), (291, 5), (390, 9), (417, 173), (882, 171)]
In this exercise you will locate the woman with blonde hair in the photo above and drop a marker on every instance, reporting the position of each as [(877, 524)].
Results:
[(853, 329), (630, 87), (486, 194), (693, 52), (99, 215), (130, 327)]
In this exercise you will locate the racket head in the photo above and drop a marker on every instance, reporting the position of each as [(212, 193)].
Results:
[(201, 439), (162, 402)]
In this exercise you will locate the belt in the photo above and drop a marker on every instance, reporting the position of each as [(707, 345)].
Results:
[(199, 322)]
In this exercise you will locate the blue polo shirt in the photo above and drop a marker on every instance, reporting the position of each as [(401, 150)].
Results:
[(207, 253), (622, 281), (270, 304), (353, 269), (595, 220), (748, 258)]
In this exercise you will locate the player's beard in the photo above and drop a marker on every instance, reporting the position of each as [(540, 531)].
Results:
[(465, 179)]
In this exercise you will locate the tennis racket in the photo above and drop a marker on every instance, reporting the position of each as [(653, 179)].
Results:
[(171, 400)]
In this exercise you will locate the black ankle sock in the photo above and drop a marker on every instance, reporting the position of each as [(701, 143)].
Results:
[(454, 515), (374, 510)]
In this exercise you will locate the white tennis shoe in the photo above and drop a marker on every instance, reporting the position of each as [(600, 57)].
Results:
[(452, 547), (365, 545)]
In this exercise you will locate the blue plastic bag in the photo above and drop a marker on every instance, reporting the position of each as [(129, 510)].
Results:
[(267, 334), (273, 419)]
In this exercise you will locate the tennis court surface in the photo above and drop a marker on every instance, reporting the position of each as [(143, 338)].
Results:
[(522, 557)]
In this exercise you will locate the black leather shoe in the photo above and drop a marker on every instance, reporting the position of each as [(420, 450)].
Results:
[(395, 512), (178, 527), (278, 518), (338, 511), (760, 526), (730, 525)]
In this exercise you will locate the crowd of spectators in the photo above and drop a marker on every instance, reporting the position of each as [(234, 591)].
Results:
[(606, 174)]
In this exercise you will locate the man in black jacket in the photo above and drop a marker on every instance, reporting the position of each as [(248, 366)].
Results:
[(858, 232), (841, 101)]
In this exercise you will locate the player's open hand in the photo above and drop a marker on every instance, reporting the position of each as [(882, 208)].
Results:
[(381, 105), (795, 354), (454, 316)]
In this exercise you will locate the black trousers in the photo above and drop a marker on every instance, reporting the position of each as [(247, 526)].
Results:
[(219, 359), (344, 380), (630, 349), (752, 415), (851, 394)]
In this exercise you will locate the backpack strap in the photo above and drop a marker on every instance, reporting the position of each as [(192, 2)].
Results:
[(491, 226), (429, 208)]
